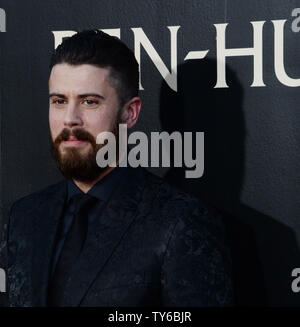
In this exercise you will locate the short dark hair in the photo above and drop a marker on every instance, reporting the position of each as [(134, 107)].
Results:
[(97, 48)]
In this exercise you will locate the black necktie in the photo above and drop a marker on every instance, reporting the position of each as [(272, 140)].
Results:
[(71, 249)]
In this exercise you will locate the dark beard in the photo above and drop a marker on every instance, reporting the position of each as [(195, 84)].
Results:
[(72, 164)]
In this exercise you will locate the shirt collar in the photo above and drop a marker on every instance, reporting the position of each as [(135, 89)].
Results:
[(103, 188)]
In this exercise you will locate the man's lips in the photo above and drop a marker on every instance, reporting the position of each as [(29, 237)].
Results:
[(73, 141)]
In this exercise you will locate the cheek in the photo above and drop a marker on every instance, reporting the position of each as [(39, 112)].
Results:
[(96, 124), (54, 124)]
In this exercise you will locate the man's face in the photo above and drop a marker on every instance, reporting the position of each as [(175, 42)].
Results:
[(82, 104)]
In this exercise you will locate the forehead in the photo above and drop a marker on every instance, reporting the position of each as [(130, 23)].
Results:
[(66, 78)]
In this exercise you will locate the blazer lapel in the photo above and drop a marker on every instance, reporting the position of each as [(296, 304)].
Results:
[(105, 235), (46, 219)]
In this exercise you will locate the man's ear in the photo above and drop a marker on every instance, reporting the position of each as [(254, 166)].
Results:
[(131, 111)]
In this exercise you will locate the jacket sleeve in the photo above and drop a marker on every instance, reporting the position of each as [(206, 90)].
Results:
[(5, 260), (196, 270), (3, 266)]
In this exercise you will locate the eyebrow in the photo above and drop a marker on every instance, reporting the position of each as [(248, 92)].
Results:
[(80, 96)]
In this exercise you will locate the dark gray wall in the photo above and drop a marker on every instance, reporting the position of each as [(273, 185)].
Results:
[(251, 133)]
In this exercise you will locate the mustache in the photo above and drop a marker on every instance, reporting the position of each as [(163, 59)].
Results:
[(79, 133)]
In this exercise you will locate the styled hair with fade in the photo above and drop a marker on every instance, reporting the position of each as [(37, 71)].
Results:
[(97, 48)]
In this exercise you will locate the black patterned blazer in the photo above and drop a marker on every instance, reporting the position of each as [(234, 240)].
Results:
[(153, 245)]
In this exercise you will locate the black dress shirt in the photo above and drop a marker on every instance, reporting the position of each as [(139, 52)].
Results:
[(102, 190)]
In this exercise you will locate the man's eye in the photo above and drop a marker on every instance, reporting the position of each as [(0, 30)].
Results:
[(58, 101), (90, 102)]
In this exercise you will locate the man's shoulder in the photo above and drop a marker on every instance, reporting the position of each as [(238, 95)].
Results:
[(169, 193), (171, 198), (31, 200), (172, 205)]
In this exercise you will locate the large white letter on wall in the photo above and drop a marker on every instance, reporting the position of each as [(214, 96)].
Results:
[(256, 51), (140, 38), (279, 55)]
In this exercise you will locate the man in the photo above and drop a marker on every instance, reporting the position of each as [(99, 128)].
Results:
[(107, 236)]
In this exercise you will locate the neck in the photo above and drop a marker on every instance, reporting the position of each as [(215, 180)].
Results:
[(86, 186)]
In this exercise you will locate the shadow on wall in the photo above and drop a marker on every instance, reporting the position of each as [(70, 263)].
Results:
[(264, 251)]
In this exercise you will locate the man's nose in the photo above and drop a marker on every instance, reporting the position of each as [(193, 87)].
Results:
[(73, 116)]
